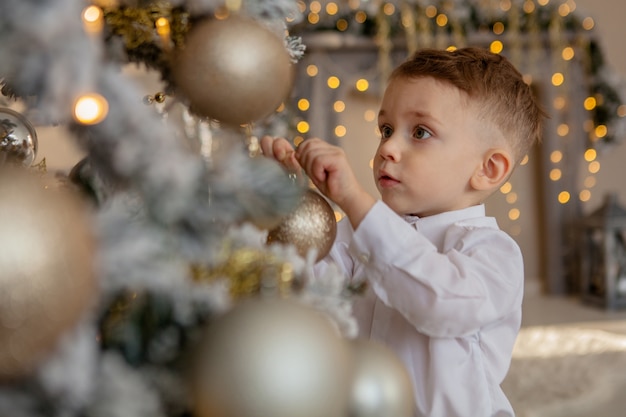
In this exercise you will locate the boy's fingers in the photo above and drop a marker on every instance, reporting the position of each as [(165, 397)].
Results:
[(267, 143)]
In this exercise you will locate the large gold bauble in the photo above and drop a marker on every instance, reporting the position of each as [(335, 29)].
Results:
[(233, 70), (312, 225), (381, 385), (46, 268), (271, 357)]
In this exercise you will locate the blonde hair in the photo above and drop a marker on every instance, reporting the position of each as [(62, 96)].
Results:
[(491, 83)]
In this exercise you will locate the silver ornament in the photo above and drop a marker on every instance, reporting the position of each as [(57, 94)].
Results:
[(271, 357), (381, 385), (18, 138)]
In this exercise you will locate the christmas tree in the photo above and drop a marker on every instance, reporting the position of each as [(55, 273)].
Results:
[(144, 282)]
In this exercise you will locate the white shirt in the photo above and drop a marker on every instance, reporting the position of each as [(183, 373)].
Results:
[(445, 293)]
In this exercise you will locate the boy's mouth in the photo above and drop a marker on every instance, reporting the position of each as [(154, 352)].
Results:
[(386, 180)]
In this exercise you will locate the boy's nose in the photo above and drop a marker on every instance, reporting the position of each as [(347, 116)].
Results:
[(390, 148)]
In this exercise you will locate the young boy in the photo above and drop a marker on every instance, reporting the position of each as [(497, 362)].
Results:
[(445, 284)]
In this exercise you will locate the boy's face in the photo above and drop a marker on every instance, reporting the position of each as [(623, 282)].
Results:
[(431, 144)]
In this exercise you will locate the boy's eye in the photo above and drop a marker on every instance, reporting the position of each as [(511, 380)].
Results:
[(421, 133), (386, 131)]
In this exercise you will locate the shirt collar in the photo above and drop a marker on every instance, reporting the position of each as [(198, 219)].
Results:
[(434, 227)]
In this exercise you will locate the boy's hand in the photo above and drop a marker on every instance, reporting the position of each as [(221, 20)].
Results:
[(329, 169), (281, 150)]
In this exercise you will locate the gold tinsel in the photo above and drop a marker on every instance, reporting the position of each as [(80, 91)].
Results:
[(249, 272), (136, 25)]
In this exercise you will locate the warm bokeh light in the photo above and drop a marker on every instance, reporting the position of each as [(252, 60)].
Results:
[(332, 8), (564, 9), (298, 140), (563, 197), (505, 5), (568, 53), (362, 84), (590, 103), (93, 19), (303, 104), (557, 79), (511, 198), (506, 188), (590, 181), (594, 167), (340, 131), (313, 18), (584, 195), (514, 214), (369, 115), (588, 23), (556, 156), (315, 6), (342, 25), (524, 160), (559, 103), (555, 174), (430, 11), (496, 47), (360, 16), (529, 6), (590, 155), (441, 20), (601, 131), (312, 70), (339, 106), (389, 9), (333, 82), (562, 130), (90, 109), (302, 127)]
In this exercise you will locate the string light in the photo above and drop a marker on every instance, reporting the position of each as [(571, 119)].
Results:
[(90, 109), (162, 26), (333, 82), (93, 19)]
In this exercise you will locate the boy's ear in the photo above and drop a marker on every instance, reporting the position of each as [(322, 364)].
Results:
[(495, 168)]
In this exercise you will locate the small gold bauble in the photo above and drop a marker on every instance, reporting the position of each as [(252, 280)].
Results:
[(233, 70), (271, 357), (46, 276), (312, 225)]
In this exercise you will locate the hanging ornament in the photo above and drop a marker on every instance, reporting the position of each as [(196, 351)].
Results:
[(381, 385), (233, 70), (271, 357), (46, 277), (18, 138), (312, 225)]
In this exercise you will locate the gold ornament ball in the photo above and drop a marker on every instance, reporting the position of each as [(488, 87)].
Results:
[(46, 277), (271, 357), (312, 225), (381, 384), (233, 70)]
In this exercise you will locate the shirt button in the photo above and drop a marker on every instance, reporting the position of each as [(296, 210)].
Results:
[(364, 257)]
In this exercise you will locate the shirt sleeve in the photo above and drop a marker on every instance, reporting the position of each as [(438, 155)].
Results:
[(474, 281)]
